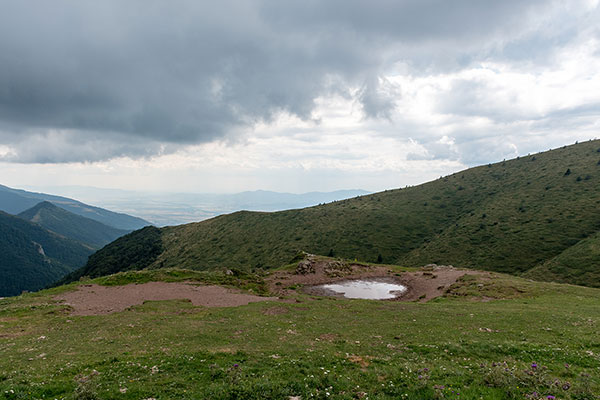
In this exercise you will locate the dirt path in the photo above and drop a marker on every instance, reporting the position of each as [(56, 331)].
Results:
[(97, 300)]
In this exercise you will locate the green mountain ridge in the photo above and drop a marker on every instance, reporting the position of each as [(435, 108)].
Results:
[(15, 201), (578, 264), (33, 257), (510, 216), (72, 226)]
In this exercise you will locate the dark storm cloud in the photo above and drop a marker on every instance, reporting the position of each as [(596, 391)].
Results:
[(127, 77)]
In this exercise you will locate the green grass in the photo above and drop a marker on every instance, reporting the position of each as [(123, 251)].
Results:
[(347, 348), (509, 216), (579, 264)]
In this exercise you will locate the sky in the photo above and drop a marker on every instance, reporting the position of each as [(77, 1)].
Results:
[(290, 96)]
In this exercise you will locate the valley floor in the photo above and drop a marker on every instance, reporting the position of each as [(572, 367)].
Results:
[(528, 340)]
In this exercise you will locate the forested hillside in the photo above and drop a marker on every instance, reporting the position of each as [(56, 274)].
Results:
[(72, 226), (33, 257)]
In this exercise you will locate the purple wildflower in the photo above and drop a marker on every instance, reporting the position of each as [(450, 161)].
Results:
[(533, 365), (550, 397)]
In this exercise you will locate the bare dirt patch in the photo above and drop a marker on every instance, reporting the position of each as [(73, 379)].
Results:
[(431, 282), (317, 271), (97, 300), (428, 283)]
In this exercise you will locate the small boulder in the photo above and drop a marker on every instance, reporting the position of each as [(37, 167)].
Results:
[(305, 267)]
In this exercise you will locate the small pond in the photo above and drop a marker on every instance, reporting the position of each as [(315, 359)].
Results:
[(365, 289)]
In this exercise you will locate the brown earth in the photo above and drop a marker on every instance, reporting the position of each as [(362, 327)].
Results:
[(423, 285), (429, 284), (97, 300), (319, 272)]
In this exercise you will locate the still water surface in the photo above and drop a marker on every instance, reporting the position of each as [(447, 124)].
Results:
[(366, 289)]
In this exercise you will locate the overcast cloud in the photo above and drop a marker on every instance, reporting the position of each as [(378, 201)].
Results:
[(455, 83)]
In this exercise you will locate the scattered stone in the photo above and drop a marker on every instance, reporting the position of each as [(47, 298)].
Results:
[(434, 267), (488, 330), (305, 267), (335, 269)]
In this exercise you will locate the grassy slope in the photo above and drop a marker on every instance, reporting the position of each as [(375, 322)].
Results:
[(136, 250), (70, 225), (579, 264), (347, 348), (23, 267), (509, 216), (531, 212)]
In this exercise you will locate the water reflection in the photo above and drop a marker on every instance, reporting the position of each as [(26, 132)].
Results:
[(366, 289)]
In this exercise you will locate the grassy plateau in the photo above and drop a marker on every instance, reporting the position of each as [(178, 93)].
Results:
[(527, 340)]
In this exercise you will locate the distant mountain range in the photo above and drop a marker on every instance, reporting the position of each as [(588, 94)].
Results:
[(535, 216), (177, 208), (50, 236), (15, 201)]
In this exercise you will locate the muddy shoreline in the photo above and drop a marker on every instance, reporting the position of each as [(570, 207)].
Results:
[(319, 290), (422, 285)]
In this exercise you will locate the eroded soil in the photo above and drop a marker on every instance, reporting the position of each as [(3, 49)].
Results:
[(422, 285), (97, 300)]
